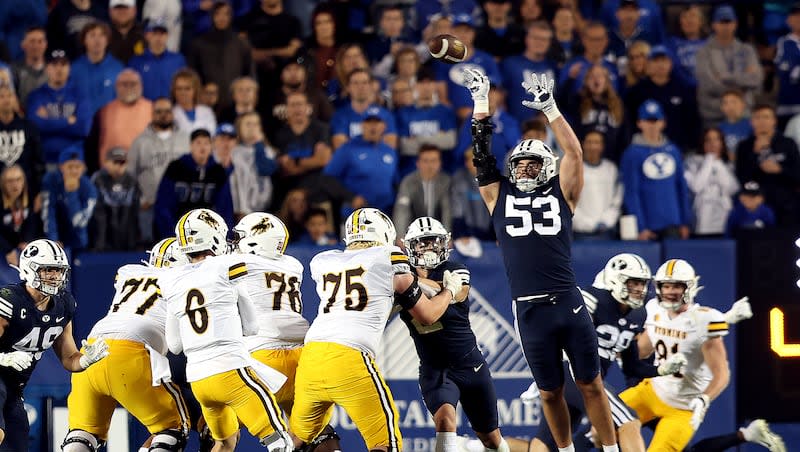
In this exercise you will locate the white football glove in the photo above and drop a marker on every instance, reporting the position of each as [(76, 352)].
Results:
[(530, 395), (93, 352), (673, 364), (16, 360), (478, 85), (543, 96), (699, 406), (740, 310), (452, 281)]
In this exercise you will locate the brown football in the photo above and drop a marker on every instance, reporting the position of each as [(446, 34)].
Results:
[(447, 48)]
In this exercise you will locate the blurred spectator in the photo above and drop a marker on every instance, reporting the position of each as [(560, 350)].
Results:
[(655, 187), (303, 145), (244, 91), (505, 135), (515, 69), (322, 47), (566, 42), (391, 36), (787, 62), (749, 211), (453, 74), (169, 11), (349, 58), (293, 213), (127, 36), (675, 95), (471, 220), (274, 35), (253, 165), (773, 161), (537, 128), (16, 18), (366, 165), (21, 222), (189, 114), (529, 11), (499, 36), (404, 66), (627, 32), (594, 39), (115, 224), (424, 193), (157, 65), (347, 120), (294, 78), (58, 109), (690, 38), (209, 96), (19, 142), (67, 19), (95, 71), (148, 158), (225, 139), (793, 129), (727, 64), (736, 125), (425, 122), (29, 71), (650, 17), (120, 121), (402, 94), (711, 179), (429, 11), (68, 200), (317, 229), (219, 55), (597, 106), (193, 181), (634, 65), (599, 206)]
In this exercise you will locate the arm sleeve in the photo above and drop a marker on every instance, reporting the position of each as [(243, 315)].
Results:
[(482, 157), (80, 204), (336, 167), (716, 324), (247, 311), (400, 262), (265, 165)]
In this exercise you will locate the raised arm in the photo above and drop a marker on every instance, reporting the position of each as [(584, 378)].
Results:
[(571, 169), (485, 162)]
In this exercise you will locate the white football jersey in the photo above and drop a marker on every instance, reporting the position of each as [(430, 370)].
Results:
[(274, 287), (356, 291), (137, 311), (204, 299), (685, 333)]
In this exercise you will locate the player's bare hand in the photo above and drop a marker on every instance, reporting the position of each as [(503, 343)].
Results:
[(16, 360), (93, 352)]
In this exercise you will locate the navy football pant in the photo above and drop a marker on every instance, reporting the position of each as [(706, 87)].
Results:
[(551, 324), (472, 386), (13, 421)]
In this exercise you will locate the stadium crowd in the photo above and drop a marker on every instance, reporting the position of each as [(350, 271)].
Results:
[(117, 117)]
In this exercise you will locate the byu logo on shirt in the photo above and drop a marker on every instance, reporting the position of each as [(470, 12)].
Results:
[(660, 165)]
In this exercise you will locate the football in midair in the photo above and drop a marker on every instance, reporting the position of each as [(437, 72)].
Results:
[(447, 48)]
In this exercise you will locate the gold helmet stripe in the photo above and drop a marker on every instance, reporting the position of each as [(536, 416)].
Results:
[(671, 267), (355, 221), (163, 249), (181, 231)]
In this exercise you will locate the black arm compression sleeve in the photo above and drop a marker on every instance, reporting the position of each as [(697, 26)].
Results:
[(485, 162), (410, 296)]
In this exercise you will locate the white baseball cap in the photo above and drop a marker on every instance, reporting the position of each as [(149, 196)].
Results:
[(128, 3)]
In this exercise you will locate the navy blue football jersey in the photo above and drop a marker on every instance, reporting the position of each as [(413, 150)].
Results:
[(616, 331), (535, 234), (450, 340), (29, 329)]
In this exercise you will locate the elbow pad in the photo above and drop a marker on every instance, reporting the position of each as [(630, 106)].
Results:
[(482, 157), (409, 298)]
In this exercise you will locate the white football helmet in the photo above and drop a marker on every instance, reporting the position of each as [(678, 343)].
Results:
[(262, 234), (427, 243), (369, 225), (202, 230), (677, 271), (167, 253), (40, 256), (618, 270), (537, 150)]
